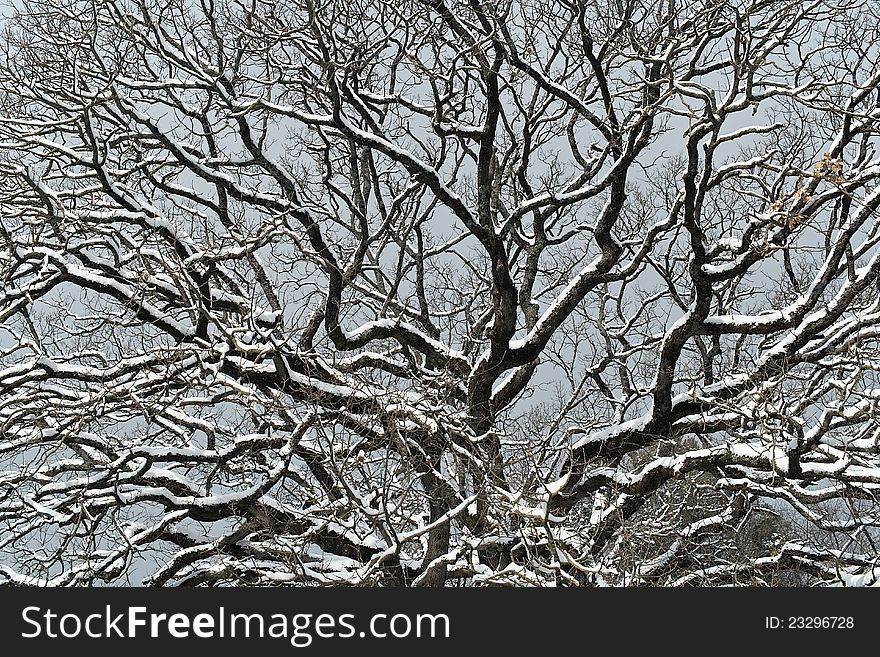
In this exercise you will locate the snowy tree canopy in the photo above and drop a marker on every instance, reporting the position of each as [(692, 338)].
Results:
[(423, 292)]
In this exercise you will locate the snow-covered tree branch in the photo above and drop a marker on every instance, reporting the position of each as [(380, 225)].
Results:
[(421, 292)]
